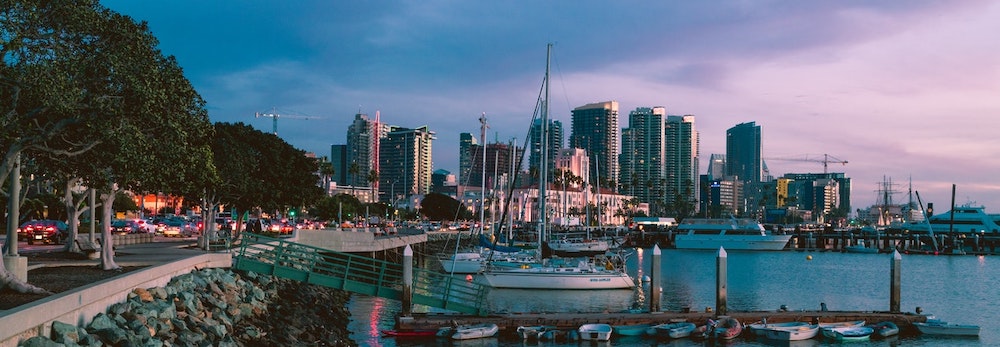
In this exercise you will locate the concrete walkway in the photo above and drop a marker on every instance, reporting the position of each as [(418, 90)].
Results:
[(139, 254)]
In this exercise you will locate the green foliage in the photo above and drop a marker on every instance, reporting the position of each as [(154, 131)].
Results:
[(262, 170), (438, 206)]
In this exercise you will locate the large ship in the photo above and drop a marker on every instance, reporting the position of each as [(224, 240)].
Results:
[(731, 234), (966, 219)]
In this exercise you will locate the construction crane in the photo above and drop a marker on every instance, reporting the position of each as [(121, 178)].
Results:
[(274, 115), (827, 159)]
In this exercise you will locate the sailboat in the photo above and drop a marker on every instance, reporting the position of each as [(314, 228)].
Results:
[(558, 273)]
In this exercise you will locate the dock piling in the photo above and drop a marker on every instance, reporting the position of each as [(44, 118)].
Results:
[(721, 278), (407, 299), (654, 280), (895, 275)]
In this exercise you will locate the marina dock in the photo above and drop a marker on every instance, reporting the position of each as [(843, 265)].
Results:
[(508, 323)]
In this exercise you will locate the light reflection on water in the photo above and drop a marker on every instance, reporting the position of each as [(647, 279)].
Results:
[(960, 289)]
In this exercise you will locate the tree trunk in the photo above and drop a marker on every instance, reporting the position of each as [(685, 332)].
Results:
[(107, 244), (73, 215)]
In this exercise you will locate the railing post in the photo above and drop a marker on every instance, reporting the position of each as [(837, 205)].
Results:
[(654, 280), (721, 278), (895, 275), (407, 281)]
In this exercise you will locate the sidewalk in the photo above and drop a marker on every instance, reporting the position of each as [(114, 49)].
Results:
[(140, 254)]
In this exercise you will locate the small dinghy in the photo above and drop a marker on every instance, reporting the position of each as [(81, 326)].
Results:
[(595, 332), (673, 330), (474, 331), (885, 329), (935, 326)]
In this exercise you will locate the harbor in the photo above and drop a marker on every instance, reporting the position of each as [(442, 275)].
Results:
[(773, 285)]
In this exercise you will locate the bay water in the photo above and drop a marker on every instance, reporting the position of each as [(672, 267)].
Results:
[(960, 289)]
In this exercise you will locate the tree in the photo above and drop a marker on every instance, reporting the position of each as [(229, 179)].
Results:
[(261, 171), (326, 171), (437, 206)]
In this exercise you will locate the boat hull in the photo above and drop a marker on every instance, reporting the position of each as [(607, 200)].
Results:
[(730, 242), (937, 328), (631, 330), (674, 330), (595, 332), (476, 331), (792, 333), (550, 278)]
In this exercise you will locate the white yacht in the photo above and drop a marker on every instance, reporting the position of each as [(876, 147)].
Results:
[(553, 274), (731, 234), (968, 219)]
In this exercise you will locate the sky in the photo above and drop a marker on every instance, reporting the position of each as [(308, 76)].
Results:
[(903, 91)]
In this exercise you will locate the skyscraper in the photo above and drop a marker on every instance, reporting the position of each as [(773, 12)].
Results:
[(405, 161), (362, 136), (338, 157), (743, 152), (743, 160), (716, 166), (595, 129), (643, 158), (555, 144), (681, 188), (465, 156)]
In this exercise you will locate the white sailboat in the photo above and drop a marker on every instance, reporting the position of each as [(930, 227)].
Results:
[(552, 274)]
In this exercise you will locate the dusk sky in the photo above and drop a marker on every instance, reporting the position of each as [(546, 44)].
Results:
[(902, 90)]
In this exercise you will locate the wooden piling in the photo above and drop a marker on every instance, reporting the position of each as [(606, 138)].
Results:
[(407, 299), (654, 280), (721, 279), (896, 277)]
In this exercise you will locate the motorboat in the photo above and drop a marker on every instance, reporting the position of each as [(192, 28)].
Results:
[(731, 234), (631, 330), (935, 326), (965, 219), (675, 330), (474, 331), (595, 332)]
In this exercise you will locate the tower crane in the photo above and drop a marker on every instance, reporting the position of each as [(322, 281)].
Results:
[(274, 115), (827, 159)]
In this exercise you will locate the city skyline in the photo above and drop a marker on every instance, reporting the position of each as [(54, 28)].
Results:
[(899, 90)]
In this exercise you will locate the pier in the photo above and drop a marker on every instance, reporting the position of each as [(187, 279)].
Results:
[(509, 323)]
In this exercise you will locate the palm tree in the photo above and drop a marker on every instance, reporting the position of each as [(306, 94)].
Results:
[(354, 170), (372, 178), (326, 171)]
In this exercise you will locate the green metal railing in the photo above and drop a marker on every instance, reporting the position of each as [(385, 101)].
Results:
[(357, 274)]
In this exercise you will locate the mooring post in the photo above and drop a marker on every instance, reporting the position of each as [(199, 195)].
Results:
[(654, 280), (407, 299), (895, 273), (720, 282)]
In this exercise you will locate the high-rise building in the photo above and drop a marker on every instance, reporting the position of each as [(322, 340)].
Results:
[(555, 143), (501, 159), (362, 137), (465, 156), (595, 129), (681, 169), (338, 157), (743, 162), (405, 161), (743, 149), (716, 166), (642, 159)]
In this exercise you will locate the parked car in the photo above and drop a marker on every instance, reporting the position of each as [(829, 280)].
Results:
[(44, 231), (175, 228), (122, 227), (146, 225)]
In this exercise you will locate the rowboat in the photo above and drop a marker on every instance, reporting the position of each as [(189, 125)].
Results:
[(726, 328), (759, 328), (796, 333), (673, 330), (885, 329), (595, 332), (935, 326), (475, 331), (849, 333), (631, 330)]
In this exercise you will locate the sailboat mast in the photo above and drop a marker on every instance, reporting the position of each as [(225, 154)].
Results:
[(482, 193), (543, 170)]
